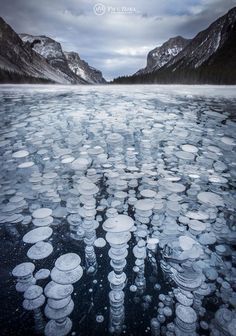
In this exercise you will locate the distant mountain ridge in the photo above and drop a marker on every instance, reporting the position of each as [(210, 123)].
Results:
[(25, 58), (83, 69), (209, 58)]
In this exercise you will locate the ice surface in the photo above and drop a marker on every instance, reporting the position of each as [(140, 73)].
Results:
[(148, 169)]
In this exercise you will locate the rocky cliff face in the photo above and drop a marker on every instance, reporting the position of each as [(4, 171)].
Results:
[(20, 63), (160, 56), (83, 69), (26, 58), (206, 43), (209, 58), (51, 50)]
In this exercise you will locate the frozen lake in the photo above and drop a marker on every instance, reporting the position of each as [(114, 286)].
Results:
[(139, 182)]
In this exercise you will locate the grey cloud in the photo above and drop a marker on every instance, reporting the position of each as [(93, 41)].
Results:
[(209, 13)]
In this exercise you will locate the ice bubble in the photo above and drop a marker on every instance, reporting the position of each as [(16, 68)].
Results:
[(37, 235), (100, 242), (189, 148), (133, 288), (42, 213), (119, 223), (42, 274), (228, 141), (186, 242), (99, 318), (40, 250), (210, 198), (20, 154), (68, 262), (167, 311)]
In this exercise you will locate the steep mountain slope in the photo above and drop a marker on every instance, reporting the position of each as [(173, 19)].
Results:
[(19, 63), (227, 55), (160, 56), (206, 43), (51, 50), (209, 58), (26, 58), (83, 69)]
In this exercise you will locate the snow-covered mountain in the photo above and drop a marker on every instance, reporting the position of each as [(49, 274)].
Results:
[(67, 62), (209, 58), (34, 59), (51, 50), (160, 56), (20, 63), (83, 69)]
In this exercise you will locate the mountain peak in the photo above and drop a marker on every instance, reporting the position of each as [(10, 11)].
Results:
[(160, 56), (176, 38), (83, 69)]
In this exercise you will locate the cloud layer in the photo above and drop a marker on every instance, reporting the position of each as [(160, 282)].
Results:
[(117, 40)]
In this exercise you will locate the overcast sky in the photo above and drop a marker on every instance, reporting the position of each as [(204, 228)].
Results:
[(111, 38)]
